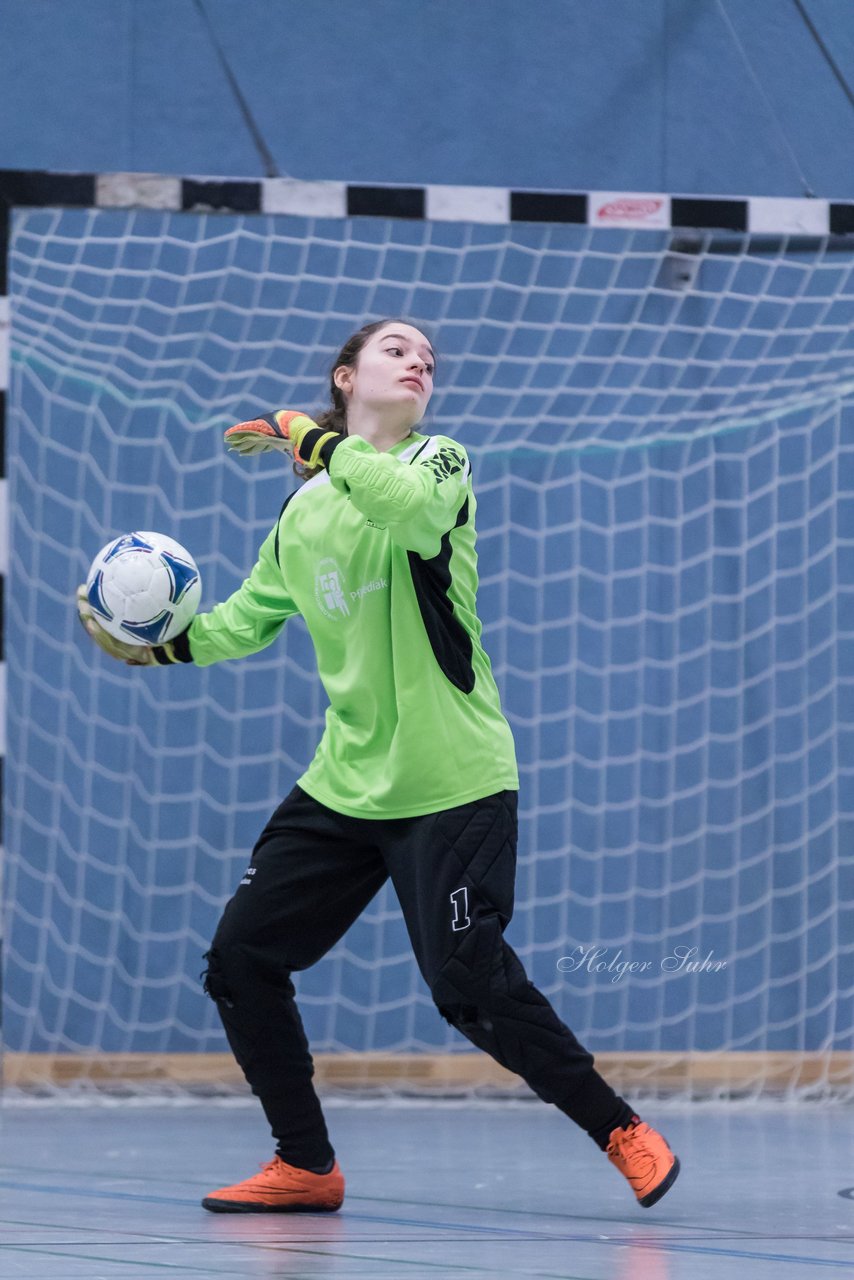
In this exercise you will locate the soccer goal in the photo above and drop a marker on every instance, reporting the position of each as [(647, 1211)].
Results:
[(658, 399)]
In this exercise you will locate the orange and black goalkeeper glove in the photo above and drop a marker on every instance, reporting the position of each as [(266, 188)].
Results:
[(288, 431)]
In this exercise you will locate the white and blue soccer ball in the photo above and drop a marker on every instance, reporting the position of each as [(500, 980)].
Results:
[(144, 588)]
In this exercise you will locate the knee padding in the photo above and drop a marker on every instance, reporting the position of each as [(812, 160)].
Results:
[(458, 1015), (481, 981), (237, 974), (213, 980), (481, 967)]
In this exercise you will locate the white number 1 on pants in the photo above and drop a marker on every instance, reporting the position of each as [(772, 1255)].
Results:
[(460, 899)]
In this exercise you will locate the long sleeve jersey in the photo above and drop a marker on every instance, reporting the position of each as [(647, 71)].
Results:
[(378, 556)]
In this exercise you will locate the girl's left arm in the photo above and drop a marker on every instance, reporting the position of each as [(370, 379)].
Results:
[(418, 502)]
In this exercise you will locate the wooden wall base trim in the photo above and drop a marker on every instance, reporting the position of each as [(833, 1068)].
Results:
[(694, 1074)]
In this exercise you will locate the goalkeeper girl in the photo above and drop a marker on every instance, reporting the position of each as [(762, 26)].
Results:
[(414, 778)]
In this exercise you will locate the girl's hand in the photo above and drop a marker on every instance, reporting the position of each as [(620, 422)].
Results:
[(286, 430), (134, 655)]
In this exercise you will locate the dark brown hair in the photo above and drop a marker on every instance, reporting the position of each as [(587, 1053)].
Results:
[(335, 417)]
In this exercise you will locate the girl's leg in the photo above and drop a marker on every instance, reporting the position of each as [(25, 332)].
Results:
[(312, 873), (454, 874)]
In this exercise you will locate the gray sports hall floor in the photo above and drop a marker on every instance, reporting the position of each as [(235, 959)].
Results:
[(484, 1191)]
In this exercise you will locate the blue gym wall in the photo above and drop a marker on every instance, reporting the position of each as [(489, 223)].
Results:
[(644, 95)]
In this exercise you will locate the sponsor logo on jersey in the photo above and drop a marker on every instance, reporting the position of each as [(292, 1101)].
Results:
[(445, 462), (329, 590), (378, 584)]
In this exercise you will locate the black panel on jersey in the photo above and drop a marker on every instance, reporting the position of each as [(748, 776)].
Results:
[(278, 522), (449, 640)]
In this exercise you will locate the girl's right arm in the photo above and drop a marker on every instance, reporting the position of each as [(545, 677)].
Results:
[(248, 620)]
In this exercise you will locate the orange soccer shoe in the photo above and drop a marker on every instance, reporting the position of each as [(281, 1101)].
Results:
[(281, 1188), (645, 1159)]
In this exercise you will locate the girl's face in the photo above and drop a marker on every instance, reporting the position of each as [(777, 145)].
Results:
[(394, 369)]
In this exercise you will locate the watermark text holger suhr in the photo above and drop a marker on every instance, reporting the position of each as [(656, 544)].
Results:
[(603, 960)]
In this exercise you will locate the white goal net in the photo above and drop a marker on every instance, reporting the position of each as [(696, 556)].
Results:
[(662, 437)]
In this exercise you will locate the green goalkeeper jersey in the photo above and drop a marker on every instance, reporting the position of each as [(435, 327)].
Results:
[(377, 554)]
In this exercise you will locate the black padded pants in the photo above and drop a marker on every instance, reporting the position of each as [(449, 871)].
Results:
[(313, 871)]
